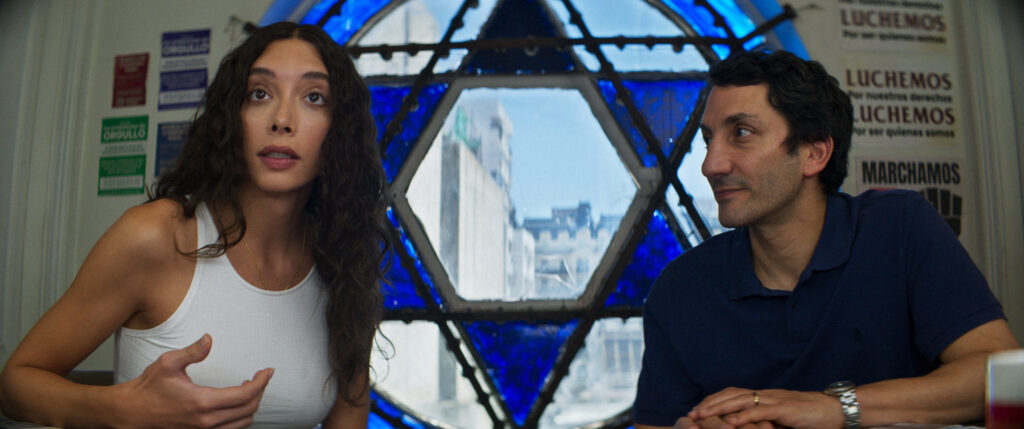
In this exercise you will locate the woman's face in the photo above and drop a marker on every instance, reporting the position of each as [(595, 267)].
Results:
[(285, 116)]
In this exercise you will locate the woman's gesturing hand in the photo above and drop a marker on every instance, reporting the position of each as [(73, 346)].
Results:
[(165, 396)]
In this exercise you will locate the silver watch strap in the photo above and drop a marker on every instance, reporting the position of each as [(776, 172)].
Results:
[(851, 408)]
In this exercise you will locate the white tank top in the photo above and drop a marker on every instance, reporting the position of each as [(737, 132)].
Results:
[(252, 329)]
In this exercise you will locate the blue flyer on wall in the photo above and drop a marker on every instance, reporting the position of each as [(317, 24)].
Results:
[(183, 68), (170, 136)]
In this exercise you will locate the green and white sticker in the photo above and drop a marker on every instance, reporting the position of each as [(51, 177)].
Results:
[(125, 129), (122, 175)]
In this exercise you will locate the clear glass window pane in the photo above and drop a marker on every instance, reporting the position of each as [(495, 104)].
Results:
[(602, 379), (660, 58), (697, 185), (412, 22), (633, 58), (616, 18), (520, 194), (631, 19), (418, 21), (417, 370), (474, 18)]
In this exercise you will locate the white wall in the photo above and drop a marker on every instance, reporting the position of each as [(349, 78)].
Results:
[(992, 47), (14, 20), (44, 69), (1011, 13), (986, 50), (56, 59)]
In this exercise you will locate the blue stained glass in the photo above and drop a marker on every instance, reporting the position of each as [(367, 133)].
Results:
[(384, 406), (279, 10), (350, 18), (519, 19), (318, 11), (519, 356), (737, 20), (408, 290), (375, 422), (412, 422), (385, 105), (622, 117), (399, 290), (387, 408), (704, 22), (785, 32), (658, 247), (666, 106), (386, 102)]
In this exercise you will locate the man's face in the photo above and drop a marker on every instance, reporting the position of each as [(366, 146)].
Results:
[(754, 178)]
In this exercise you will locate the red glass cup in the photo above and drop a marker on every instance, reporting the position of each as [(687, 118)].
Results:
[(1004, 391)]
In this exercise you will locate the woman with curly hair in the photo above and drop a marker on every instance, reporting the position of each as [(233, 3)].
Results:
[(258, 255)]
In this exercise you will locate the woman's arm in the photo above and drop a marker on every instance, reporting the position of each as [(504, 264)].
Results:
[(130, 269)]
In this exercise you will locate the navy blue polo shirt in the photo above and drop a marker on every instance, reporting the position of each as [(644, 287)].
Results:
[(888, 288)]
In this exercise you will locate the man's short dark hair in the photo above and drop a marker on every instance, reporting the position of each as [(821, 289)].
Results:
[(804, 93)]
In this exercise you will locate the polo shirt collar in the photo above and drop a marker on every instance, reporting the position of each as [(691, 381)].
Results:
[(836, 236), (833, 250)]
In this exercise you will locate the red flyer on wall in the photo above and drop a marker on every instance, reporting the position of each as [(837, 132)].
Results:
[(130, 79)]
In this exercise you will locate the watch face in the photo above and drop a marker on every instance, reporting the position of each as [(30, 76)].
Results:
[(840, 386)]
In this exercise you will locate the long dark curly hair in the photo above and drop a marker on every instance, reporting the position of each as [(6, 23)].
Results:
[(347, 204)]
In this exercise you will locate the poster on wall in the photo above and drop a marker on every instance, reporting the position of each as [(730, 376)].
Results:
[(900, 68), (124, 129), (122, 175), (130, 80), (895, 25), (183, 68), (170, 136), (903, 102), (939, 180), (122, 163)]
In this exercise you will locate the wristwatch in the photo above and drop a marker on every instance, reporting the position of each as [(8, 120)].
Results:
[(844, 391)]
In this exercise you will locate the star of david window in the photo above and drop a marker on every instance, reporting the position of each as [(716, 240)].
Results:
[(543, 170)]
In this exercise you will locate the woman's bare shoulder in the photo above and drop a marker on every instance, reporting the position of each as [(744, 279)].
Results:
[(133, 264), (154, 231)]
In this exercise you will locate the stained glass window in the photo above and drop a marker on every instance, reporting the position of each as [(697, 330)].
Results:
[(544, 167)]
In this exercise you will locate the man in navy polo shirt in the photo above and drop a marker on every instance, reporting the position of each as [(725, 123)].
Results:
[(820, 310)]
